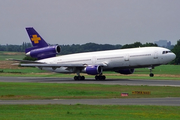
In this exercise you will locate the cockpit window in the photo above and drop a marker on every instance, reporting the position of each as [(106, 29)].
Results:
[(165, 52)]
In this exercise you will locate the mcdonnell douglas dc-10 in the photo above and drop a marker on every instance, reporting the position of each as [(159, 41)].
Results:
[(122, 61)]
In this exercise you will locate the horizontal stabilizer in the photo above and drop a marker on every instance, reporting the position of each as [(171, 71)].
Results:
[(25, 61)]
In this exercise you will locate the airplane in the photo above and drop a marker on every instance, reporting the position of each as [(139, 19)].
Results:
[(122, 61)]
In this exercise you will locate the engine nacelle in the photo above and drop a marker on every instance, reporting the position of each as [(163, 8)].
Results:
[(45, 52), (125, 71), (93, 70)]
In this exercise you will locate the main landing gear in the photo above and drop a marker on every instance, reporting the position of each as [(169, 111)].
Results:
[(97, 77), (79, 77), (100, 77)]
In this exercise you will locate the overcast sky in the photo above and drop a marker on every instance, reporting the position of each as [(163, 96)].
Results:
[(83, 21)]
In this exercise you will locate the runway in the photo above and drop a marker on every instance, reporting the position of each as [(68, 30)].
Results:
[(175, 83), (119, 101)]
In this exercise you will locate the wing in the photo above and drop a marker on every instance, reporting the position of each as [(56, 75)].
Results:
[(27, 63), (59, 65), (53, 65)]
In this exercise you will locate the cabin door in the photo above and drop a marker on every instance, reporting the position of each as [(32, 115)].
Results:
[(126, 60), (156, 58), (94, 60)]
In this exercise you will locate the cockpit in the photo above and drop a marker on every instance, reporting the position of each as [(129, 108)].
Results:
[(165, 52)]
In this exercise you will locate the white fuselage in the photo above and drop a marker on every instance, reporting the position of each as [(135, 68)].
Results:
[(114, 59)]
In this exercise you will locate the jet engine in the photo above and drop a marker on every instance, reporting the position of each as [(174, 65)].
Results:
[(93, 70), (45, 52), (125, 71)]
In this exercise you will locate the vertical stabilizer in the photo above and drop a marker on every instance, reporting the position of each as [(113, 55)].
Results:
[(36, 40)]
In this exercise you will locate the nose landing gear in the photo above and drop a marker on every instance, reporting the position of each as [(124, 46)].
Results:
[(151, 74)]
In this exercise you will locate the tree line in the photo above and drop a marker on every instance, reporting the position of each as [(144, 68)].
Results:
[(15, 48), (76, 48), (176, 50)]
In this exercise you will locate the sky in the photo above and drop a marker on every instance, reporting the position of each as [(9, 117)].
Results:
[(83, 21)]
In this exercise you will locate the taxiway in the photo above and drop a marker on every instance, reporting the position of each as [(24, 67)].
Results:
[(175, 83)]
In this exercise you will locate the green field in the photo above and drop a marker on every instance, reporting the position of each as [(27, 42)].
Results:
[(165, 72), (85, 112), (14, 55), (88, 112), (80, 91)]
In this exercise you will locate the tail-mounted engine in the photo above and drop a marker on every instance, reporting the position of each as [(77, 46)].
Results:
[(44, 52)]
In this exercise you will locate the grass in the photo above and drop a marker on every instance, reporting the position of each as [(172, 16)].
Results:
[(30, 72), (14, 55), (89, 112), (79, 91), (24, 70), (163, 69)]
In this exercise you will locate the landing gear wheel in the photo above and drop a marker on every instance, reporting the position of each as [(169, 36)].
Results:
[(82, 78), (151, 75), (79, 78), (100, 77), (97, 77), (103, 77), (75, 77)]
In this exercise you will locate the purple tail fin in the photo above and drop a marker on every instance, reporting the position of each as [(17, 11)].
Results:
[(36, 40)]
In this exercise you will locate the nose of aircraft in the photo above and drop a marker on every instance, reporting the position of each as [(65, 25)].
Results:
[(168, 58), (173, 56)]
